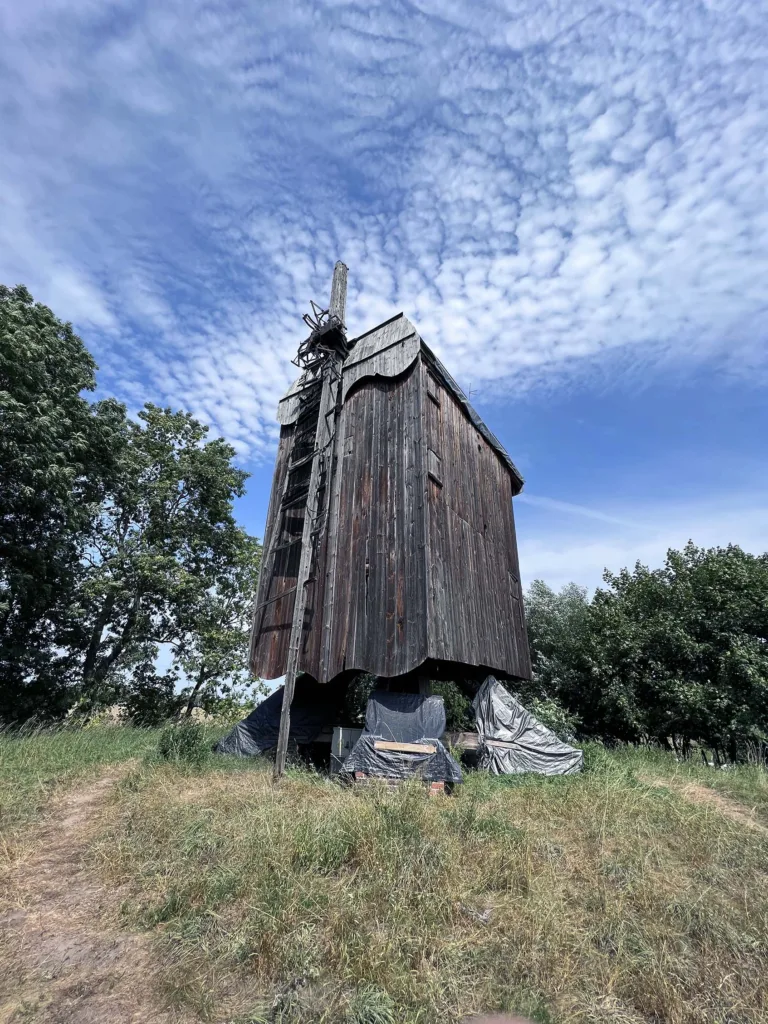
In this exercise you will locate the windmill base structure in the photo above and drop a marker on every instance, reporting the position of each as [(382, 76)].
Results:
[(390, 543)]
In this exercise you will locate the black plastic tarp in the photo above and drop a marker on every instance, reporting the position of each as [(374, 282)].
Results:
[(313, 708), (512, 741), (403, 718)]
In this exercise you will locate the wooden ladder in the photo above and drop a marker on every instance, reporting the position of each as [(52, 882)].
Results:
[(315, 517)]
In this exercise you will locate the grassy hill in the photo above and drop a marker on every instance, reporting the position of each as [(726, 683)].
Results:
[(636, 892)]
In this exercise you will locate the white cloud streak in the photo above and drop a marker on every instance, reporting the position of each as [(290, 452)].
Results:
[(548, 189), (560, 543)]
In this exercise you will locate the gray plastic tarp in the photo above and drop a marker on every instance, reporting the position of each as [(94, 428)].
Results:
[(512, 741), (403, 718)]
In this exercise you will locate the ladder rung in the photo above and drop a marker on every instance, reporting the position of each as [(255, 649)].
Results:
[(301, 462), (263, 605)]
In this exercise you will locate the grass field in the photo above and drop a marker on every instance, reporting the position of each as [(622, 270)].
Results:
[(607, 897), (39, 763)]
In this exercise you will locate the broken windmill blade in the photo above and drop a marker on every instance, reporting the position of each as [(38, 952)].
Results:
[(322, 353)]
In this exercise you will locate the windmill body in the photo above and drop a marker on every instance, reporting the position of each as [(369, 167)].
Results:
[(390, 542)]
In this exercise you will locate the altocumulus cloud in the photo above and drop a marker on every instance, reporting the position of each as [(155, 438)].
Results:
[(546, 188)]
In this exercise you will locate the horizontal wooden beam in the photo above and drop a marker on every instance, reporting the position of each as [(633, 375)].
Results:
[(285, 593), (405, 748)]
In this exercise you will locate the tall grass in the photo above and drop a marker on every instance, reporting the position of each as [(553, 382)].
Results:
[(594, 898), (35, 764), (745, 783)]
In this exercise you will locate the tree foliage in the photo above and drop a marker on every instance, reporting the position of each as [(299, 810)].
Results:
[(677, 654), (217, 631), (557, 625), (117, 536), (164, 536), (56, 450)]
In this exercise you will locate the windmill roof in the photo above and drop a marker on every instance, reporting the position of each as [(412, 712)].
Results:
[(387, 350)]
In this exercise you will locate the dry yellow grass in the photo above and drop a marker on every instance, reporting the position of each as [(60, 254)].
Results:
[(597, 898)]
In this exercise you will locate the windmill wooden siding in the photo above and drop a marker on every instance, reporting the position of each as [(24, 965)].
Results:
[(419, 560), (274, 604)]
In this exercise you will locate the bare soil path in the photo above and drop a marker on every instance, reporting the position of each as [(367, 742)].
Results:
[(61, 960), (696, 793)]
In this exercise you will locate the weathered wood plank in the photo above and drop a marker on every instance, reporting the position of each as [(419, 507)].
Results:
[(405, 748), (473, 618), (387, 351)]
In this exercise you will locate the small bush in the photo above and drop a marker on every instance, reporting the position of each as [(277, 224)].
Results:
[(370, 1005), (459, 714), (551, 713), (597, 759), (184, 744)]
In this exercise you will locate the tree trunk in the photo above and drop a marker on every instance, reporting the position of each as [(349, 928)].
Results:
[(95, 670), (89, 665), (201, 680), (102, 670)]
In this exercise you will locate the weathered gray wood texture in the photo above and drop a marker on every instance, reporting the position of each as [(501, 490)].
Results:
[(420, 557), (377, 613), (273, 606), (475, 610), (385, 352)]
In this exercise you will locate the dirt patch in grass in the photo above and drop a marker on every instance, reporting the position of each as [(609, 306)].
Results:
[(62, 962), (697, 793)]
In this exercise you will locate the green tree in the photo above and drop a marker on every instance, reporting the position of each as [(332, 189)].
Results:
[(163, 540), (213, 650), (682, 651), (557, 628), (674, 654), (56, 451)]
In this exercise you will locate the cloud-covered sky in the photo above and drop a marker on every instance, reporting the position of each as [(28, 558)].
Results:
[(570, 199)]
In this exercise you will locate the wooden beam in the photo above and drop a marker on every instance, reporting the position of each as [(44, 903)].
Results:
[(467, 740), (312, 515), (405, 748), (338, 306), (333, 486)]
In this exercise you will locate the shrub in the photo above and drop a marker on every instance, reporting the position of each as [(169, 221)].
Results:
[(185, 744), (551, 713)]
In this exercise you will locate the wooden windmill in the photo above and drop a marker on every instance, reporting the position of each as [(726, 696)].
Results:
[(390, 538)]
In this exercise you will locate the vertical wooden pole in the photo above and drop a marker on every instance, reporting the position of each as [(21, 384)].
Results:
[(338, 306), (324, 437)]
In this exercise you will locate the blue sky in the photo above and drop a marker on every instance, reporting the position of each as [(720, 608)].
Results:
[(569, 199)]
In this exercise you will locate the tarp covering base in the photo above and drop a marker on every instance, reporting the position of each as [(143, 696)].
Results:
[(512, 741), (403, 718), (313, 708)]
